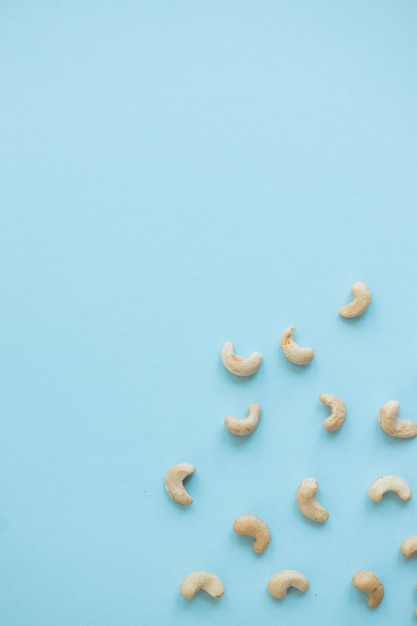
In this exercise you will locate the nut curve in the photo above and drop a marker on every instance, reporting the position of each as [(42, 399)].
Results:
[(247, 425), (370, 584), (361, 301), (207, 581), (382, 485), (294, 352), (338, 414), (307, 501), (391, 425), (248, 524), (409, 546), (174, 482), (280, 582), (238, 365)]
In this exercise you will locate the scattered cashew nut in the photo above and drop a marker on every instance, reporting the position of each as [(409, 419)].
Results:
[(244, 426), (393, 426), (292, 351), (174, 482), (380, 486), (280, 582), (307, 501), (255, 527), (237, 364), (338, 414), (370, 584), (201, 580), (409, 546), (361, 301)]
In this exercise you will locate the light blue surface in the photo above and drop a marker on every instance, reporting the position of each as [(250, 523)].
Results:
[(173, 175)]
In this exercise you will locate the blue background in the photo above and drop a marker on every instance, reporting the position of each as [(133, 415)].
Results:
[(173, 175)]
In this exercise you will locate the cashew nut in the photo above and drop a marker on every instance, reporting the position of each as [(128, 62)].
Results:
[(409, 546), (280, 582), (370, 584), (380, 486), (393, 426), (244, 426), (361, 301), (338, 414), (174, 482), (237, 364), (201, 580), (255, 527), (307, 501), (292, 351)]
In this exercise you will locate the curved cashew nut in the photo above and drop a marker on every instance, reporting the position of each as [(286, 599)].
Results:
[(201, 580), (380, 486), (338, 414), (237, 364), (280, 582), (255, 527), (370, 584), (307, 501), (174, 482), (244, 426), (393, 426), (409, 546), (361, 301), (292, 351)]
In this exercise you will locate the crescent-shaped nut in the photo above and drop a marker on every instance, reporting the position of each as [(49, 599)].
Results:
[(244, 426), (255, 527), (280, 582), (307, 501), (174, 482), (201, 580), (409, 546), (292, 351), (393, 426), (380, 486), (361, 301), (338, 414), (370, 584), (237, 364)]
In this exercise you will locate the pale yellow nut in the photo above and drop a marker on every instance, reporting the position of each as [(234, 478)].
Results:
[(338, 414), (254, 527), (201, 580), (409, 546), (382, 485), (370, 584), (393, 426), (361, 301), (280, 582), (238, 365), (247, 425), (174, 482), (307, 501), (292, 351)]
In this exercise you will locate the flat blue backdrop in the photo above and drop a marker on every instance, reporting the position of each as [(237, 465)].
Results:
[(175, 174)]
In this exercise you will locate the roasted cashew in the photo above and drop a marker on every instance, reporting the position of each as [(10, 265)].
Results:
[(201, 580), (307, 501), (255, 527), (380, 486), (237, 364), (338, 414), (370, 584), (280, 582), (292, 351), (244, 426), (393, 426), (174, 482), (409, 546), (360, 302)]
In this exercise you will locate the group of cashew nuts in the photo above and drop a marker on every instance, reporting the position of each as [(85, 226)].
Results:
[(306, 497)]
